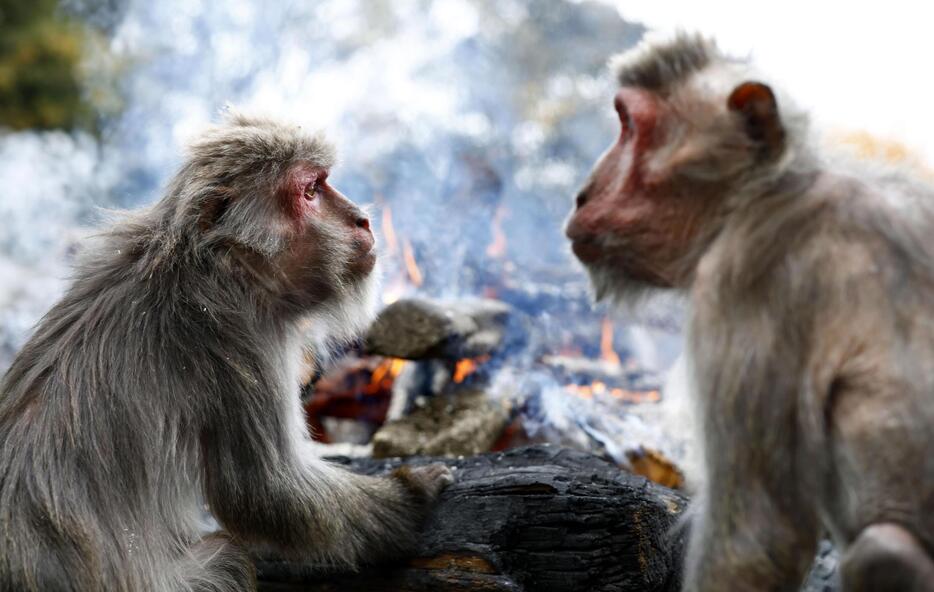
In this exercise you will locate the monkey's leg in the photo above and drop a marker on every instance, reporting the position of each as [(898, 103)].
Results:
[(217, 564), (887, 557), (745, 553), (882, 441), (742, 541)]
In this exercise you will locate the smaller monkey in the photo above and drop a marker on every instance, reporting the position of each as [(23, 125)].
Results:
[(168, 374), (811, 333)]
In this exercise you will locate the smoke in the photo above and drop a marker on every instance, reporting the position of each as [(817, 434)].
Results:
[(453, 113)]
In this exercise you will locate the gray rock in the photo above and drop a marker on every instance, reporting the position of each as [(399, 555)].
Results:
[(417, 329), (461, 424)]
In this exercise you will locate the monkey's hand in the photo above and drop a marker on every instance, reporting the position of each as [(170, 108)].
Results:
[(353, 519), (387, 518), (426, 482)]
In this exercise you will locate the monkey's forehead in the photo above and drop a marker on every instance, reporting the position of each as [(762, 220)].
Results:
[(263, 139), (658, 63)]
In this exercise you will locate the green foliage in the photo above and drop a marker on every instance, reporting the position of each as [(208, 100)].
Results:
[(40, 67)]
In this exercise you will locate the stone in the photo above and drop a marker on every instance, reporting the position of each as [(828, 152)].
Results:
[(417, 329)]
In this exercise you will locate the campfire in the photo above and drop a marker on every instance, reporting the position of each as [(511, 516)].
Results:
[(508, 363)]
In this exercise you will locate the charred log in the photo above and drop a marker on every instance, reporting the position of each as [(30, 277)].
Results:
[(539, 518)]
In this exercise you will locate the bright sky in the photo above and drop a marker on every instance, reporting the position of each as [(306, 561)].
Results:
[(856, 65)]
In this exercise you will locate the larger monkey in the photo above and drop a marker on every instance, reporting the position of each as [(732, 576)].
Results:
[(168, 373), (811, 337)]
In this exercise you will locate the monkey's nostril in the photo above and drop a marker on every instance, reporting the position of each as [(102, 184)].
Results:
[(581, 199), (363, 222)]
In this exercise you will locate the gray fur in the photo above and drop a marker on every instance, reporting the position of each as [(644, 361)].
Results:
[(811, 338), (167, 374), (658, 66)]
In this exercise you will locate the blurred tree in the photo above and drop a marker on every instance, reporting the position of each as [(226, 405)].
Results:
[(40, 67)]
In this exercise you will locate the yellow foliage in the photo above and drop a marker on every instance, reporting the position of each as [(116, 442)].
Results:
[(40, 58)]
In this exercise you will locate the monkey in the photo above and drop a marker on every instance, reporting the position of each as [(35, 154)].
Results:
[(809, 281), (167, 377)]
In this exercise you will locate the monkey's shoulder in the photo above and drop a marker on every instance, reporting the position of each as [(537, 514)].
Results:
[(842, 235)]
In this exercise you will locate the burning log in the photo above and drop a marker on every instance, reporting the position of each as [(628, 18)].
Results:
[(539, 518), (418, 329), (655, 466), (358, 389)]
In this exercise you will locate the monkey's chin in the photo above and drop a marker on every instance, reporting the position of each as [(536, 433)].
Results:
[(587, 252), (344, 318), (367, 262), (607, 277), (610, 284)]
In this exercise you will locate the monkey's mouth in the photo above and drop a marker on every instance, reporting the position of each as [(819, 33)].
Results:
[(367, 261), (587, 250)]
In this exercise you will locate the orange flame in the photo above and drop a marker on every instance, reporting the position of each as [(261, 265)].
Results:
[(399, 282), (389, 232), (597, 388), (636, 396), (466, 367), (384, 375), (497, 247), (415, 274), (607, 353), (584, 391)]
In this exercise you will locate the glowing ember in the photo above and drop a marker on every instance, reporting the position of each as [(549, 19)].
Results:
[(636, 396), (389, 232), (384, 375), (598, 388), (607, 353), (466, 367), (497, 247), (411, 266), (584, 391)]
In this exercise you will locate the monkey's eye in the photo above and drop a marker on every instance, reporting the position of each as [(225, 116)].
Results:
[(311, 190)]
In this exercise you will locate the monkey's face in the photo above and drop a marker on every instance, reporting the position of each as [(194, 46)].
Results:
[(642, 218), (631, 226), (330, 249)]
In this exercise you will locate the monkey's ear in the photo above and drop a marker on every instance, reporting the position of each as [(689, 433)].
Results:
[(755, 103)]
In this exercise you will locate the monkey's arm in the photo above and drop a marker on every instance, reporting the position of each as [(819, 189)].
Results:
[(752, 529), (263, 487)]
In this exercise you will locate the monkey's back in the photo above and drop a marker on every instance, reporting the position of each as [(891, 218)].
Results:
[(880, 398), (92, 457), (832, 292)]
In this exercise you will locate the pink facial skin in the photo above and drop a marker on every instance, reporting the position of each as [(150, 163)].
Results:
[(308, 197), (623, 218), (301, 178)]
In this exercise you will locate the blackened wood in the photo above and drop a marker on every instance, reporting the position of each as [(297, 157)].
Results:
[(540, 518)]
